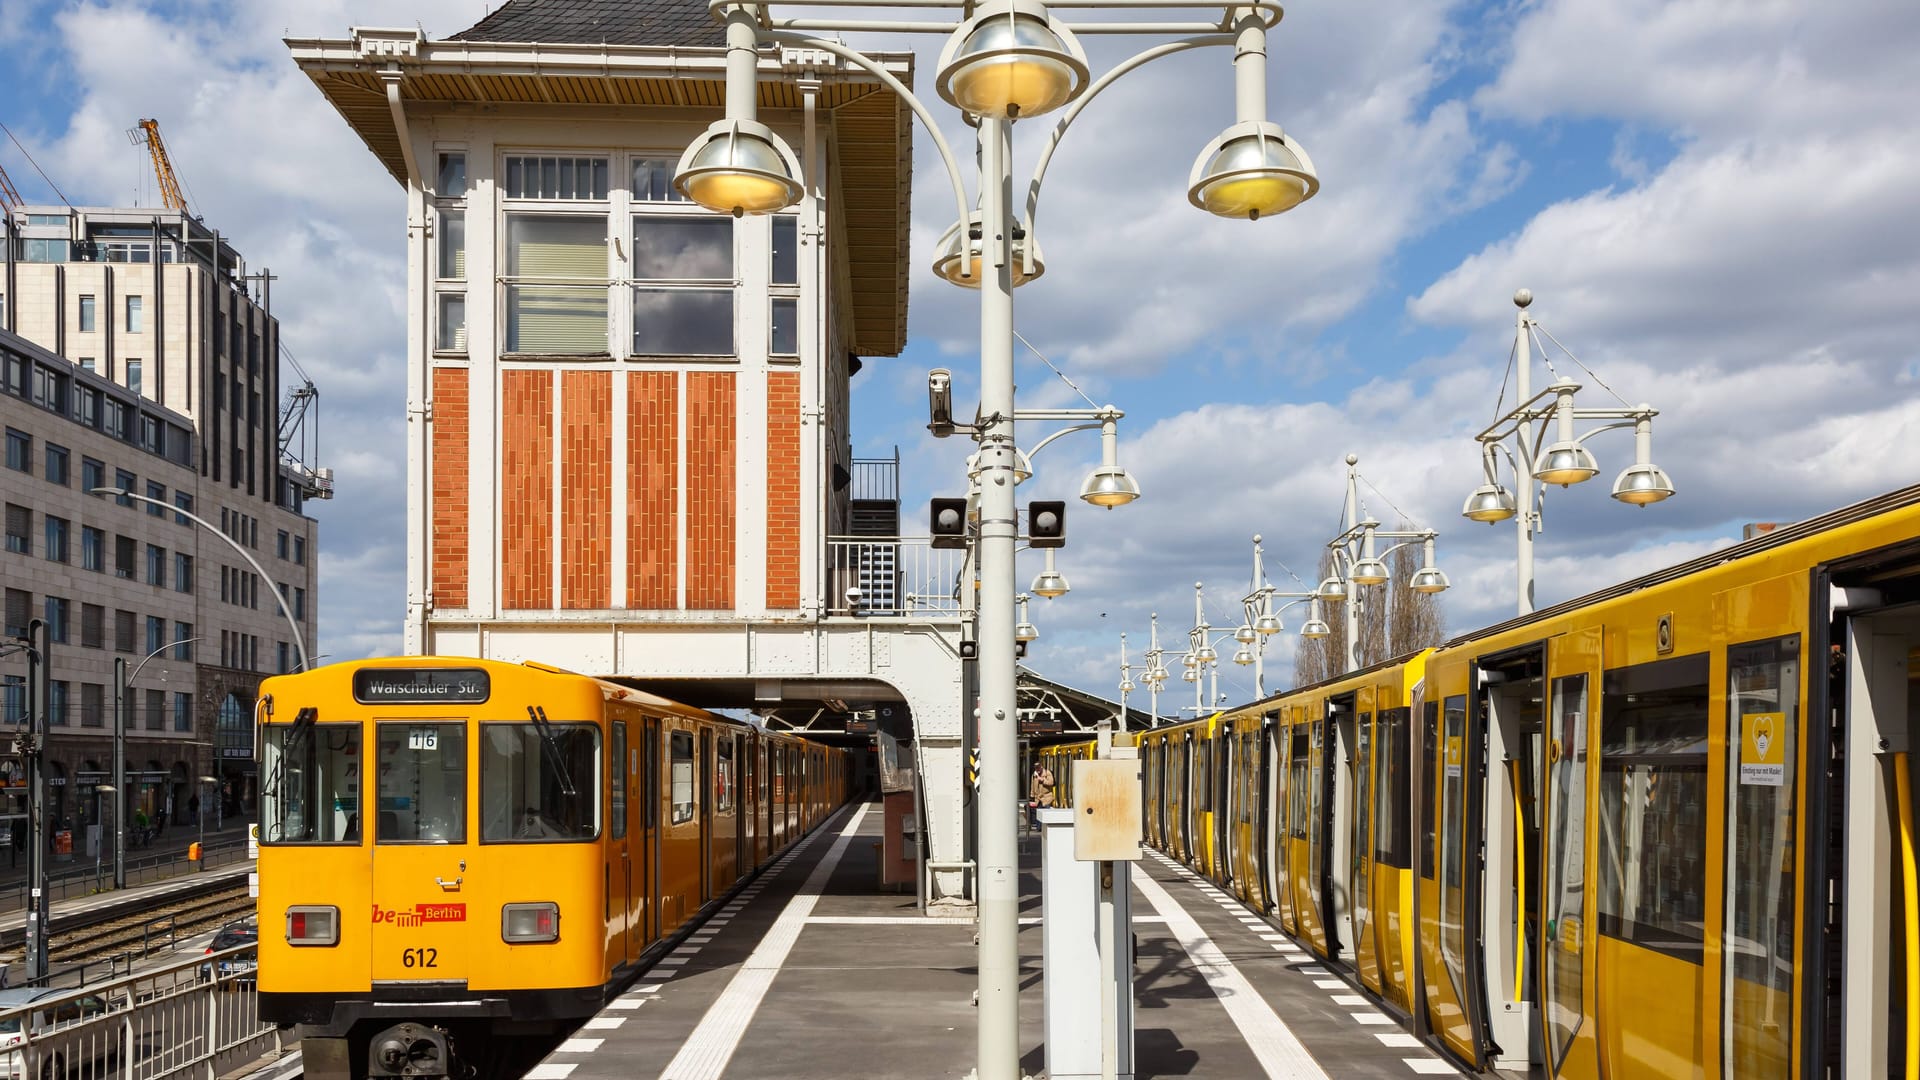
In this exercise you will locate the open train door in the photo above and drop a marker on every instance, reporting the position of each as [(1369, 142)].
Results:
[(1860, 947), (624, 944), (1505, 736)]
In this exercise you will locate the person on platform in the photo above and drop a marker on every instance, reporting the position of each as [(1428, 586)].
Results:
[(1040, 791)]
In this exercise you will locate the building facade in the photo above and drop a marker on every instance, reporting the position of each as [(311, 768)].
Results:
[(138, 357), (630, 443)]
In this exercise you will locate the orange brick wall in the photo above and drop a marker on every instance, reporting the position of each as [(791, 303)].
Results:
[(711, 420), (783, 489), (586, 489), (448, 548), (526, 512), (653, 488)]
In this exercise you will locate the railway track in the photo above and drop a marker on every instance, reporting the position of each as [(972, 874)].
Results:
[(141, 932)]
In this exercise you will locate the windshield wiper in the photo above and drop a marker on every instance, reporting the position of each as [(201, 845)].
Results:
[(538, 715), (303, 722)]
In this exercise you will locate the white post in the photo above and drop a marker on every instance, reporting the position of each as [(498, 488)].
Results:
[(1124, 669), (997, 822), (1524, 494), (1356, 599)]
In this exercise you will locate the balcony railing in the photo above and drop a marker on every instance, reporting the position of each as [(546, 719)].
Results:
[(875, 478), (904, 577)]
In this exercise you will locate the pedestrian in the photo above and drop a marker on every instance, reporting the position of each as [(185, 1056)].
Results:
[(1040, 791)]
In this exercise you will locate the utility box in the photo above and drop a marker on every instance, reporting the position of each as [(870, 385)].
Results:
[(1107, 821), (1087, 953)]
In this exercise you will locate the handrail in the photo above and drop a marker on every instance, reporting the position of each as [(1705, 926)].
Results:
[(1910, 893), (1520, 885)]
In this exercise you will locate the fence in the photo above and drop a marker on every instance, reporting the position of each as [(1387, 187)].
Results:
[(84, 881), (888, 576)]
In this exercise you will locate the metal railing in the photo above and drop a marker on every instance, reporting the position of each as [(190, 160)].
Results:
[(879, 577), (98, 877), (876, 478), (183, 1019)]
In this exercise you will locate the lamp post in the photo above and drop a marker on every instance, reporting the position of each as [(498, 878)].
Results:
[(1263, 620), (1565, 461), (299, 639), (1126, 680), (122, 689), (31, 745), (1358, 566), (205, 783), (1008, 60), (1156, 674)]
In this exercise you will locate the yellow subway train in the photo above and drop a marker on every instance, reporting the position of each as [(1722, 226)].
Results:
[(1664, 830), (453, 850)]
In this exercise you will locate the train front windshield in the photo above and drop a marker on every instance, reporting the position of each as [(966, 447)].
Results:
[(311, 794), (539, 783)]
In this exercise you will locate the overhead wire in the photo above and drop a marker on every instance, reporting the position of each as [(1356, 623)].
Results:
[(1075, 387), (1583, 367), (36, 165)]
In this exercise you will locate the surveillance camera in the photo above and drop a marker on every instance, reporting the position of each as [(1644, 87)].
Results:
[(940, 402)]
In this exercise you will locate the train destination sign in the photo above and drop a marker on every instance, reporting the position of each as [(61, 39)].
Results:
[(421, 686)]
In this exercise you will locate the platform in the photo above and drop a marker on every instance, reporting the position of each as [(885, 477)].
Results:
[(809, 972)]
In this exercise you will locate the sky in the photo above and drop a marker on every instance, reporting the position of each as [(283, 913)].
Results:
[(1712, 201)]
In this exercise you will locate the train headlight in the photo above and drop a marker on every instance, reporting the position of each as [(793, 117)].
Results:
[(529, 924), (313, 926)]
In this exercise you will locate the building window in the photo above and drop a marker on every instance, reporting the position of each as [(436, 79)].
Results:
[(19, 529), (57, 458), (125, 549), (156, 633), (93, 474), (125, 626), (182, 711), (286, 657), (185, 502), (786, 250), (156, 565), (556, 178), (37, 250), (93, 626), (19, 612), (156, 710), (93, 705), (89, 317), (300, 550), (58, 692), (126, 482), (686, 306), (87, 363), (57, 539), (133, 375), (453, 245), (158, 493), (57, 625), (93, 549), (13, 699), (451, 182), (182, 572), (783, 338), (135, 324), (653, 180), (19, 451), (556, 271), (299, 603), (280, 544), (452, 333)]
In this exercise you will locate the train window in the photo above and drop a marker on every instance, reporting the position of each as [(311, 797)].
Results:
[(1453, 854), (618, 826), (1390, 794), (1763, 720), (1429, 755), (1567, 860), (423, 783), (723, 776), (1203, 768), (1297, 780), (539, 784), (680, 766), (312, 792), (1653, 805)]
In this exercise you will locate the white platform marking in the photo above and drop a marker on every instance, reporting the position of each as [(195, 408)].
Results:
[(1349, 999), (578, 1046), (1430, 1067), (1396, 1038), (1330, 984), (626, 1003), (1273, 1043), (546, 1071), (1372, 1018), (705, 1054), (602, 1023), (650, 988)]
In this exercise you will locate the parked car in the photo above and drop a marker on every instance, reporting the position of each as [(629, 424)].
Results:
[(56, 1055), (239, 967)]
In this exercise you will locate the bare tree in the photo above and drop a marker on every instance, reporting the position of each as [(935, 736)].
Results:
[(1394, 621)]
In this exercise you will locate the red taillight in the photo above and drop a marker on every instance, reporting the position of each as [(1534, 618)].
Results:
[(546, 922), (316, 925), (296, 926)]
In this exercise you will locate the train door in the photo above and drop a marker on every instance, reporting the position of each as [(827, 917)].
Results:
[(1336, 818), (1868, 951), (1179, 747), (1302, 844), (706, 789), (650, 794), (1283, 816), (1505, 732), (1566, 933), (1366, 960), (422, 883), (1223, 808), (619, 868), (1264, 816), (743, 860), (1391, 879)]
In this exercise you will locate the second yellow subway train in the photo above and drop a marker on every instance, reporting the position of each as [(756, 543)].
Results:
[(1664, 830)]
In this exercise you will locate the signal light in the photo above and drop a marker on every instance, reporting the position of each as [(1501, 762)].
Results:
[(1046, 523), (313, 926), (529, 924), (948, 525)]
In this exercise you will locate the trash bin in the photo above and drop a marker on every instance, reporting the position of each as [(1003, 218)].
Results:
[(193, 854)]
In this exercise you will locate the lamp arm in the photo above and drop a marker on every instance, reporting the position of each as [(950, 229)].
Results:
[(1042, 444), (892, 83), (1138, 60), (142, 665), (1605, 427)]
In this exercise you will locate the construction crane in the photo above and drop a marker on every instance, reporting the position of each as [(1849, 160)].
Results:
[(148, 133)]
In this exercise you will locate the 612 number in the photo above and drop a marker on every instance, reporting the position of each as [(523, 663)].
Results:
[(419, 958)]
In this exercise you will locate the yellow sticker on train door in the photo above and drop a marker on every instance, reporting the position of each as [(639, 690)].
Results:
[(1763, 749), (1456, 757)]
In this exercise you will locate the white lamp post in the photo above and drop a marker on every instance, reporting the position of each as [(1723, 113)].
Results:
[(1155, 675), (1566, 461), (1126, 680), (122, 703), (1263, 619), (1008, 60), (1358, 567)]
